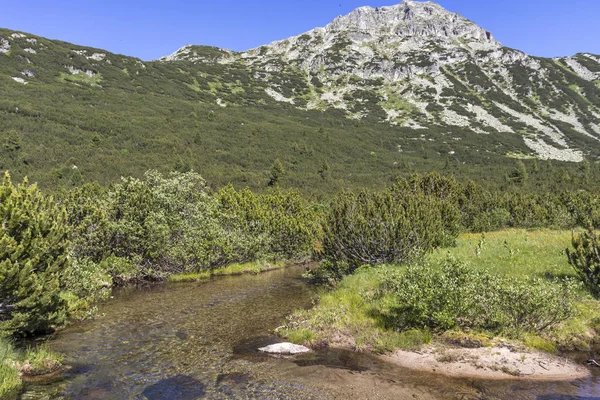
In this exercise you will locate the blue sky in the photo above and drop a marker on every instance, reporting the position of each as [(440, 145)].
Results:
[(149, 29)]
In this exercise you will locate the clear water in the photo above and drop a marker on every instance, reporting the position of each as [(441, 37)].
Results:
[(199, 340)]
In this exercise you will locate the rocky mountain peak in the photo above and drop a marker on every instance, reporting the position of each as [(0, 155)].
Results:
[(412, 18)]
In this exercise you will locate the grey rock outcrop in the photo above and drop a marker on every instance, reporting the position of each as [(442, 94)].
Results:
[(4, 45)]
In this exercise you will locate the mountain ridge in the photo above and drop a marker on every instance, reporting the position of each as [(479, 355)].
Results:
[(407, 86), (421, 39)]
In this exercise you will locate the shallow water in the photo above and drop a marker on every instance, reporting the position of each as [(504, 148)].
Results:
[(199, 340)]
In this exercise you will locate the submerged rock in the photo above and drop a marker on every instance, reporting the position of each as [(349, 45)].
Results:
[(180, 387), (285, 348)]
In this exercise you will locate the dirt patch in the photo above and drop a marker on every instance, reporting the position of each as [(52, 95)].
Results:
[(494, 362)]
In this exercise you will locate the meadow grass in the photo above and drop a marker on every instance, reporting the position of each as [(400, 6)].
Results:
[(346, 317), (252, 267), (515, 252), (10, 381), (532, 253)]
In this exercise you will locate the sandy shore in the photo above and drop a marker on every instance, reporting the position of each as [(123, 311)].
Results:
[(495, 362)]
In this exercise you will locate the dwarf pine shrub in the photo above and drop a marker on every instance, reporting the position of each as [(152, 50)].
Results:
[(585, 259), (34, 249), (388, 226)]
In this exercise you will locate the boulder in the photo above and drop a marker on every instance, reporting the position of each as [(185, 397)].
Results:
[(285, 348)]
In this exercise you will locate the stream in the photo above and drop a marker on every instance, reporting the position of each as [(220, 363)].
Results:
[(190, 341)]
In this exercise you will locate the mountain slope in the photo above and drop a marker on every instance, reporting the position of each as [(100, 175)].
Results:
[(376, 93), (423, 65), (416, 65)]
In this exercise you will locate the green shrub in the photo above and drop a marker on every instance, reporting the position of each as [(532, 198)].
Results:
[(152, 228), (85, 283), (167, 225), (585, 259), (491, 220), (44, 279), (87, 216), (390, 226), (461, 297), (278, 224), (34, 251)]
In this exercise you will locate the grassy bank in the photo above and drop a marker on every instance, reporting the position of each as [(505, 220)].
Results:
[(517, 252), (15, 364), (354, 315), (252, 267), (343, 317)]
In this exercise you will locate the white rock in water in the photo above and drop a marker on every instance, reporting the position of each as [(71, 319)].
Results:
[(285, 348)]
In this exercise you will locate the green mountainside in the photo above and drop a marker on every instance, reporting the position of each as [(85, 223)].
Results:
[(376, 94)]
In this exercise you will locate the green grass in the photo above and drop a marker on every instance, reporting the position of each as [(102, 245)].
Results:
[(81, 77), (531, 253), (13, 363), (10, 382), (344, 316), (253, 267), (40, 361), (515, 252)]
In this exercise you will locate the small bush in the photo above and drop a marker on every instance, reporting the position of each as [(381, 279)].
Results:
[(585, 259), (390, 226), (461, 297), (276, 224), (85, 284)]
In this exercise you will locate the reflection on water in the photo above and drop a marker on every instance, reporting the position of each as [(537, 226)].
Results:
[(200, 340)]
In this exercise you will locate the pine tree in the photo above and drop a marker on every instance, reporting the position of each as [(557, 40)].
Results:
[(324, 170), (277, 172)]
